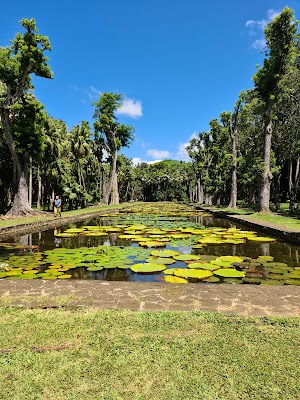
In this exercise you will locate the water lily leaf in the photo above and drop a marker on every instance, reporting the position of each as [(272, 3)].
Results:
[(164, 253), (212, 279), (192, 273), (175, 279), (265, 258), (230, 259), (65, 276), (220, 263), (205, 266), (292, 282), (66, 235), (229, 273), (152, 244), (162, 260), (169, 271), (268, 282), (186, 257), (252, 280), (147, 268), (261, 239), (94, 268)]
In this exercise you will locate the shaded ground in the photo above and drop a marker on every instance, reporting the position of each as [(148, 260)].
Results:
[(248, 300)]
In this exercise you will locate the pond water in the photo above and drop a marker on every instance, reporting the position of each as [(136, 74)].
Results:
[(131, 246)]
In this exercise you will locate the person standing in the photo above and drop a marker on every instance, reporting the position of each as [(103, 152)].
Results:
[(57, 206)]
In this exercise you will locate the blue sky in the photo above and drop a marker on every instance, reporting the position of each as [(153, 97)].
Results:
[(179, 63)]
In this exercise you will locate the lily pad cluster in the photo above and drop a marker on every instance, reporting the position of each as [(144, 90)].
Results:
[(159, 237), (59, 263)]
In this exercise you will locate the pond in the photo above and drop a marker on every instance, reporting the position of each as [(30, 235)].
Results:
[(158, 242)]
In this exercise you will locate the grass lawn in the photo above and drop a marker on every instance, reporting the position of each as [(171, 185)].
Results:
[(89, 354), (28, 220), (291, 222)]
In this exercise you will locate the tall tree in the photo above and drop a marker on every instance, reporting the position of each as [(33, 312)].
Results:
[(18, 62), (230, 121), (280, 35), (111, 135)]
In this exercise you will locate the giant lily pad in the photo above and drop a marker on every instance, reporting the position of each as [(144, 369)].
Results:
[(229, 273), (164, 253), (186, 257), (175, 279), (145, 268), (192, 273)]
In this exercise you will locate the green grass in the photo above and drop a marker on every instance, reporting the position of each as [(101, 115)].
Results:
[(50, 216), (291, 222), (118, 355)]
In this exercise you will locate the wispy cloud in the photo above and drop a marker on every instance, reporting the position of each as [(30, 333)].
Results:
[(182, 153), (93, 93), (89, 93), (131, 108), (256, 28), (163, 154)]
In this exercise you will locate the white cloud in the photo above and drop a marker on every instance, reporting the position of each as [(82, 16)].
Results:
[(259, 44), (136, 161), (158, 153), (131, 108), (257, 27), (182, 153)]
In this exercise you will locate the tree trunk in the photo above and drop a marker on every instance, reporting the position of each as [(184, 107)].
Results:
[(20, 205), (114, 197), (39, 191), (111, 177), (265, 189), (277, 192), (30, 183), (200, 191), (233, 191)]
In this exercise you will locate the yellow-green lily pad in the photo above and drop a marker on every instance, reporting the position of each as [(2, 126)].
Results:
[(192, 273), (230, 273)]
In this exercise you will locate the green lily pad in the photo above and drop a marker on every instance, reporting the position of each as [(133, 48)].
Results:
[(252, 280), (175, 279), (164, 253), (94, 268), (230, 273), (145, 268), (152, 244), (192, 273), (269, 282), (230, 259), (205, 266), (261, 239), (186, 257), (292, 282), (162, 260), (212, 279)]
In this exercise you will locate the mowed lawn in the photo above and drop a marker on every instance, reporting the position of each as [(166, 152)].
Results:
[(90, 354)]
